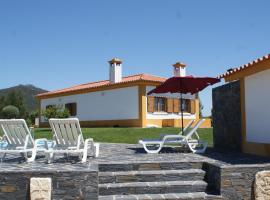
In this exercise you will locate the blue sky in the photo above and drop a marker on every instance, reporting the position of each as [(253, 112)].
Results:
[(55, 44)]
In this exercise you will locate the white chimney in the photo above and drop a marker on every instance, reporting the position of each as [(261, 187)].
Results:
[(179, 69), (115, 70)]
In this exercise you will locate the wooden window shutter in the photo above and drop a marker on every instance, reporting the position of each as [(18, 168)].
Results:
[(150, 104), (176, 105), (170, 105), (193, 106)]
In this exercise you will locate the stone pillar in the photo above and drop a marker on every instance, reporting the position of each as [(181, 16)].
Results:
[(40, 188)]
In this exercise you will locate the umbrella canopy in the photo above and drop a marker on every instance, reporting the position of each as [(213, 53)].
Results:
[(187, 85)]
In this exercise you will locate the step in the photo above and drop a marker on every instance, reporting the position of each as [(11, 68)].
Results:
[(149, 166), (169, 196), (152, 187), (149, 176)]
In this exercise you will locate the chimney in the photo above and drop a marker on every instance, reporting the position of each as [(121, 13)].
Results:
[(115, 70), (179, 69)]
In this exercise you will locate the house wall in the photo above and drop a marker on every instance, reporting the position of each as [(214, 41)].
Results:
[(257, 98), (125, 107), (115, 104), (255, 113)]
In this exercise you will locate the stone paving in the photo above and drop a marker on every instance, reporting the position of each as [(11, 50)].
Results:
[(125, 153), (131, 153)]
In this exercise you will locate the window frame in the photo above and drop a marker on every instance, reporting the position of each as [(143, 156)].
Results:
[(186, 103), (160, 104), (72, 110)]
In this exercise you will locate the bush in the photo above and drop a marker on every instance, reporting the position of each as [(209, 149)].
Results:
[(55, 112), (10, 112), (28, 122), (32, 116)]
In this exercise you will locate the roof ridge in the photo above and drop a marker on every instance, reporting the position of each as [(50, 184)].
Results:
[(153, 75), (126, 79), (244, 66)]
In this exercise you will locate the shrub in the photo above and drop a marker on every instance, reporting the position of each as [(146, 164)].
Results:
[(10, 112), (55, 112), (32, 116)]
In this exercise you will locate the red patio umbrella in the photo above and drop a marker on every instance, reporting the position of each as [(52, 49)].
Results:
[(177, 86)]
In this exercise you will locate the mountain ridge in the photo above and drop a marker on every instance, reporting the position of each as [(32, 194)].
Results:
[(28, 92)]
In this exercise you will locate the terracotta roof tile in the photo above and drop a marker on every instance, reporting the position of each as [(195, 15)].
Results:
[(243, 67), (127, 79)]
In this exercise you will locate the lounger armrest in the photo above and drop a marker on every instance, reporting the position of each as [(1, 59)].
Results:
[(174, 137), (94, 146), (89, 140)]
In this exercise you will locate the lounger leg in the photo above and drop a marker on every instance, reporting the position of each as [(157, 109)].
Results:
[(152, 151), (50, 157), (96, 145), (3, 157), (85, 150), (193, 149), (84, 156), (33, 156)]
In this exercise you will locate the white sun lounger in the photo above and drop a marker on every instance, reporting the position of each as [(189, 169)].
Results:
[(68, 139), (17, 139), (186, 140)]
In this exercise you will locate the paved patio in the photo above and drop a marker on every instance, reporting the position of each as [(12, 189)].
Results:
[(133, 153)]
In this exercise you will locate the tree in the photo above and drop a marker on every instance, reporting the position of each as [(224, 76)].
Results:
[(10, 112), (2, 105), (32, 116), (55, 112), (16, 99)]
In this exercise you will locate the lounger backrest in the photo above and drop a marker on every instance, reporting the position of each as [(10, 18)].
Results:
[(194, 129), (186, 127), (66, 131), (16, 132)]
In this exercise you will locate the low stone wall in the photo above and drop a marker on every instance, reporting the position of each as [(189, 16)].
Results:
[(65, 184), (233, 182)]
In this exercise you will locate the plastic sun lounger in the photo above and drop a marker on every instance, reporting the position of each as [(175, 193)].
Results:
[(68, 138), (18, 140), (178, 140)]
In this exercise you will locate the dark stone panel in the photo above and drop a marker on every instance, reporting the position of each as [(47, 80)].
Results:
[(226, 116), (65, 185), (233, 182)]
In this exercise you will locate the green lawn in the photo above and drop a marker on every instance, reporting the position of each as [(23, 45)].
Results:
[(126, 135)]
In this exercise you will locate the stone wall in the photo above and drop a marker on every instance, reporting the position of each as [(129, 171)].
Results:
[(65, 184), (226, 116), (233, 182)]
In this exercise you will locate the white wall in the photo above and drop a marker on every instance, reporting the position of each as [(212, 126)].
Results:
[(164, 115), (113, 104), (257, 98)]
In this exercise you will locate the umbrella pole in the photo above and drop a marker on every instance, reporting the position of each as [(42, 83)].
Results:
[(182, 115)]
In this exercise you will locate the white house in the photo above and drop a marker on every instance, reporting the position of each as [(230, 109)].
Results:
[(122, 101)]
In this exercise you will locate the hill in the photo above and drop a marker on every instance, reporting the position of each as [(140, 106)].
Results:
[(28, 92)]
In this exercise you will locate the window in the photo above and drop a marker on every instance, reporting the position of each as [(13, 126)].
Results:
[(185, 105), (72, 108), (160, 104)]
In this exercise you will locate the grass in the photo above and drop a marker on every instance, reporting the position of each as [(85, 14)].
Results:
[(126, 135)]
